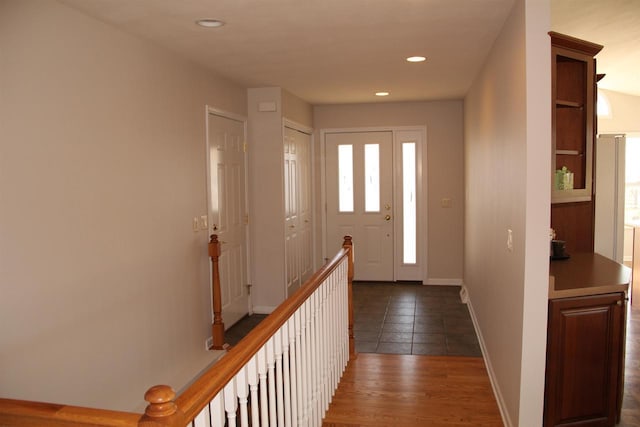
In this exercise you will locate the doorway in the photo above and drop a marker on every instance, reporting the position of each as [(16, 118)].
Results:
[(373, 192), (226, 160)]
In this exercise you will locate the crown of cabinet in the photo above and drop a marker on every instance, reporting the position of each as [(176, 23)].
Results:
[(574, 44)]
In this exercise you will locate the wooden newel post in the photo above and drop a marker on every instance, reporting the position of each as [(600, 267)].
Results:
[(348, 244), (162, 409), (217, 329)]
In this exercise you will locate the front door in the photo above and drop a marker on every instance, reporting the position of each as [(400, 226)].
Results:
[(227, 211), (359, 167)]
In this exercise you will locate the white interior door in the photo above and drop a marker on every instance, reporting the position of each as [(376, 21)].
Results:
[(227, 211), (298, 229), (359, 196)]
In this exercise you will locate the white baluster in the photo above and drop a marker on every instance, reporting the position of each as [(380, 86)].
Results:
[(202, 419), (262, 374), (242, 390), (313, 365), (216, 409), (292, 370), (252, 378), (310, 359), (299, 364), (230, 402), (286, 377), (322, 374), (271, 380), (277, 341)]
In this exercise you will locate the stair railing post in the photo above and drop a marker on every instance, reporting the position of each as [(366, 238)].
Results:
[(217, 328), (162, 409), (348, 244)]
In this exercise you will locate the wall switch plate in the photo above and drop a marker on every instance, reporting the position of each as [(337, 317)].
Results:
[(510, 240), (203, 222), (195, 223)]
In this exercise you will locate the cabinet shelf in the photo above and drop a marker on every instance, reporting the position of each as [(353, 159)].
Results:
[(569, 152), (568, 104)]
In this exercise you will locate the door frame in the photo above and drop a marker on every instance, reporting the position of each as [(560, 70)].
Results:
[(421, 187), (291, 124), (239, 118)]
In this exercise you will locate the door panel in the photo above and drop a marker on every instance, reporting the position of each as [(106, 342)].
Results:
[(373, 229), (225, 141)]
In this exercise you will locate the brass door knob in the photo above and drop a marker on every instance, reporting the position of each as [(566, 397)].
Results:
[(387, 217)]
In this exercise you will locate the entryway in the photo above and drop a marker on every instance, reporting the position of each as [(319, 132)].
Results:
[(373, 191)]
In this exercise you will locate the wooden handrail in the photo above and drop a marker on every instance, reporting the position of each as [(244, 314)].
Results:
[(26, 413), (217, 328), (200, 393), (164, 409)]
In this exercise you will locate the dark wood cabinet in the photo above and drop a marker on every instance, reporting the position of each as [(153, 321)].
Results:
[(585, 350), (573, 78)]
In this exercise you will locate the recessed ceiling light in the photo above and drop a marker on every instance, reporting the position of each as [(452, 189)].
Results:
[(210, 23), (416, 59), (382, 93)]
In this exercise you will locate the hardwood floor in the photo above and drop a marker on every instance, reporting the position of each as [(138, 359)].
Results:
[(410, 390)]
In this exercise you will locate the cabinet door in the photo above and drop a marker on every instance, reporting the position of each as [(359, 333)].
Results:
[(584, 360)]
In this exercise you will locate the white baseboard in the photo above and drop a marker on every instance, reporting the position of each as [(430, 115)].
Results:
[(444, 282), (263, 309), (487, 362)]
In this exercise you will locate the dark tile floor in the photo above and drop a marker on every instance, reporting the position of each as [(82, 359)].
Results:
[(412, 319), (401, 319), (234, 334)]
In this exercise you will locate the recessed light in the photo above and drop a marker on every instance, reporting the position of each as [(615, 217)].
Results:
[(210, 23), (416, 59), (382, 93)]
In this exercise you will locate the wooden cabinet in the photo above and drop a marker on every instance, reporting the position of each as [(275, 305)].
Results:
[(585, 350), (573, 77)]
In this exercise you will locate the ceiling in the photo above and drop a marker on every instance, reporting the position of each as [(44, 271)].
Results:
[(343, 51)]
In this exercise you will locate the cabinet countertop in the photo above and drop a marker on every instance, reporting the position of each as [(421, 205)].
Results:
[(586, 274)]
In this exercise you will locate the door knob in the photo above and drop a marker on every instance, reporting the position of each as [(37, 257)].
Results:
[(387, 217)]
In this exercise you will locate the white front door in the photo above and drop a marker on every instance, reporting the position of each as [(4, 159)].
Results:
[(298, 226), (227, 211), (359, 183)]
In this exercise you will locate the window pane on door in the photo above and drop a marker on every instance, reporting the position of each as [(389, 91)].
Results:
[(372, 178), (345, 178), (409, 202)]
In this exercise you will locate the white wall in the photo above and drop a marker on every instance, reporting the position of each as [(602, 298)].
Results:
[(624, 113), (444, 170), (104, 286), (507, 161)]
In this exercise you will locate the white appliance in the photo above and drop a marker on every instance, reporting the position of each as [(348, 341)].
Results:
[(610, 182)]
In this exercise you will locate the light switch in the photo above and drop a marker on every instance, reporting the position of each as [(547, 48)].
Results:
[(510, 240), (195, 223), (203, 222)]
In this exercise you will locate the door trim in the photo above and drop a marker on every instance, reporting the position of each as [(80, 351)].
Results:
[(422, 187), (239, 118)]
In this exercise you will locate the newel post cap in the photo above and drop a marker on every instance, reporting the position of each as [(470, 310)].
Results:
[(161, 404)]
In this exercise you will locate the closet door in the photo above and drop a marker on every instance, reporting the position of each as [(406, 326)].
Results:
[(298, 221)]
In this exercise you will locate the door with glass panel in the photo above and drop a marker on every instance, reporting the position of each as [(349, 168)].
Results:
[(359, 185)]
